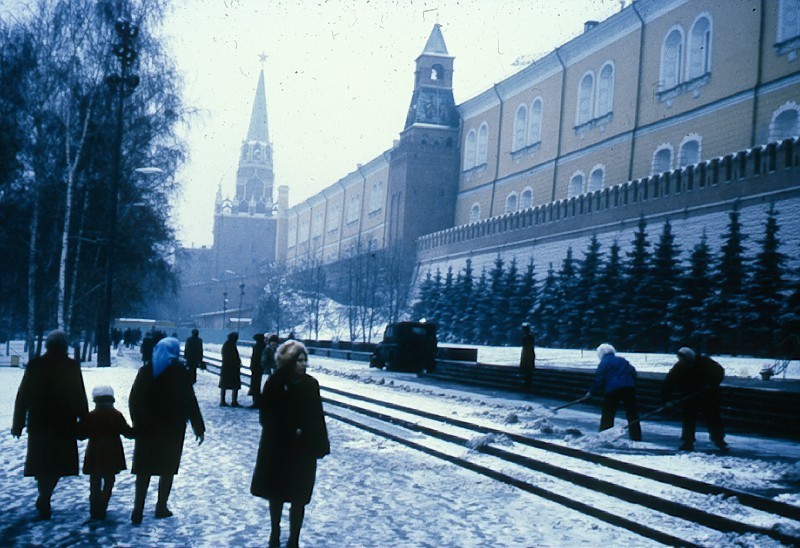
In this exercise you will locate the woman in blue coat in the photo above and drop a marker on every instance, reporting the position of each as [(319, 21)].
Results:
[(616, 378)]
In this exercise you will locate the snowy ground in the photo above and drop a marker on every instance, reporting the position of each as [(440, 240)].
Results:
[(370, 492)]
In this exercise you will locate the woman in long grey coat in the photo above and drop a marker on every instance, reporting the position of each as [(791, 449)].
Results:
[(50, 402), (294, 436), (162, 400)]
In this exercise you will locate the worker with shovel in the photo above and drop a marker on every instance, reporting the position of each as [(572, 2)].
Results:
[(616, 378), (697, 379)]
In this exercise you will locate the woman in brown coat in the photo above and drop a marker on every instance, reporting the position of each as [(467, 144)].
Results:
[(294, 436), (50, 401), (162, 400)]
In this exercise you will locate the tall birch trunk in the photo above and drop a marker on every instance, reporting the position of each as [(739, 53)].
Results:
[(32, 246)]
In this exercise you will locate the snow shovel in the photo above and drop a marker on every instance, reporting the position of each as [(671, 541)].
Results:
[(554, 410)]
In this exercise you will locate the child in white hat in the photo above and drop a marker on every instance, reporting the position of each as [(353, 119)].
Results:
[(104, 455)]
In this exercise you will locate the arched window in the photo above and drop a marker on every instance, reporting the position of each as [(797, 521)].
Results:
[(520, 128), (437, 72), (304, 230), (511, 203), (700, 48), (535, 128), (672, 59), (526, 198), (788, 20), (785, 122), (475, 213), (483, 144), (254, 190), (605, 90), (376, 196), (690, 151), (256, 152), (662, 160), (353, 208), (470, 147), (596, 179), (585, 99), (575, 185), (333, 217)]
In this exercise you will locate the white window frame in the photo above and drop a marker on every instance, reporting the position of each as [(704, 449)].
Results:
[(786, 107), (691, 138), (535, 121), (511, 203), (333, 217), (584, 114), (786, 7), (668, 148), (600, 108), (677, 65), (475, 213), (529, 191), (591, 185), (376, 196), (701, 50), (518, 140), (572, 191), (470, 149), (483, 144)]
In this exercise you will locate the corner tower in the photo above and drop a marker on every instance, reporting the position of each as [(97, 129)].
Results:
[(423, 168), (245, 226)]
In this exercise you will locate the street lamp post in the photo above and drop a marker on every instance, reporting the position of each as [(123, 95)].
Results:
[(122, 84), (241, 296)]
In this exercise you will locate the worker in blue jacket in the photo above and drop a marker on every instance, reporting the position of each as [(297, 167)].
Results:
[(616, 379)]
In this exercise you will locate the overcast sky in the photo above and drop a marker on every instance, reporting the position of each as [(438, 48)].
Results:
[(339, 78)]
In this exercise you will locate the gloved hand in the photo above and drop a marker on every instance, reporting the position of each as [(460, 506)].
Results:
[(200, 438), (588, 395), (16, 433)]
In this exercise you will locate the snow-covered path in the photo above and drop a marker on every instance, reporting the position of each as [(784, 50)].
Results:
[(369, 492)]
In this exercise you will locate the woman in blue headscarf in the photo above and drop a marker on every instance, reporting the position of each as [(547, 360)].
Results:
[(162, 400)]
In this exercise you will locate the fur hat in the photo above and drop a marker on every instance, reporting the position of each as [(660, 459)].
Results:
[(102, 391), (604, 349), (687, 353)]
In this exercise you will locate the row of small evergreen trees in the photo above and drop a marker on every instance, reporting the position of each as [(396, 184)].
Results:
[(647, 299)]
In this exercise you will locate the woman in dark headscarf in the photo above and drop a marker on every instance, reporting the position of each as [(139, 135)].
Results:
[(294, 436), (162, 400), (50, 401), (229, 374)]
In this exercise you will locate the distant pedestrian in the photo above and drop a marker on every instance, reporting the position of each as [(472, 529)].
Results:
[(50, 401), (527, 360), (697, 379), (162, 400), (256, 371), (268, 364), (229, 375), (616, 378), (146, 349), (105, 457), (193, 354), (293, 437)]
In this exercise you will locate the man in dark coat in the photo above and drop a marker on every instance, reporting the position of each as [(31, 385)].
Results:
[(697, 379), (193, 354), (229, 375), (527, 359), (146, 348), (256, 370), (268, 364), (161, 401), (50, 401), (616, 378), (294, 436)]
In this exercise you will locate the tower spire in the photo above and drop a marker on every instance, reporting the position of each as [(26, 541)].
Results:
[(259, 126)]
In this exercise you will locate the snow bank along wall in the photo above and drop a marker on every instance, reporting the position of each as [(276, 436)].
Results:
[(694, 199)]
